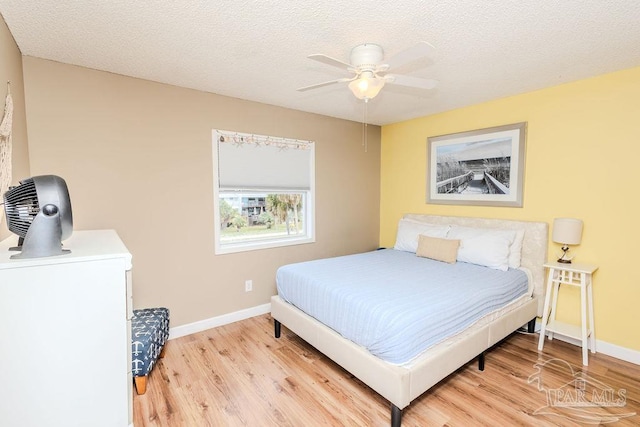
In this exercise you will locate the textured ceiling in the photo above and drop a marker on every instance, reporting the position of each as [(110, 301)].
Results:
[(257, 50)]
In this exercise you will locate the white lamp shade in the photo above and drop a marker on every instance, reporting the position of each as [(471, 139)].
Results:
[(567, 231), (366, 87)]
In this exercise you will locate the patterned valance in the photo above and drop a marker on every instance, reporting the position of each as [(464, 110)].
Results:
[(240, 139)]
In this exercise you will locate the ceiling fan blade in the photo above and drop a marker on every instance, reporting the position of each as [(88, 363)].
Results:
[(417, 82), (330, 61), (418, 51), (317, 85)]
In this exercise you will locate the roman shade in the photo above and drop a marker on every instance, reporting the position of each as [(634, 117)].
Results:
[(256, 162)]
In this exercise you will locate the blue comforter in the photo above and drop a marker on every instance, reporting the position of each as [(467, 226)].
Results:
[(394, 303)]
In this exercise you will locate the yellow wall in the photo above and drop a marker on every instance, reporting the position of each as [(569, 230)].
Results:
[(137, 158), (11, 70), (583, 149)]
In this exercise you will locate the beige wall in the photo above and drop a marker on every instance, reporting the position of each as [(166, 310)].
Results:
[(11, 70), (137, 158)]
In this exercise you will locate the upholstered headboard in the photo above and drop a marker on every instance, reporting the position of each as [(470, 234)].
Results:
[(534, 246)]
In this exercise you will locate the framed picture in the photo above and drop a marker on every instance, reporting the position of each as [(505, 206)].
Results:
[(482, 167)]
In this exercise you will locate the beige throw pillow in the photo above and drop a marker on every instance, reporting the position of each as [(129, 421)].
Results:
[(439, 249)]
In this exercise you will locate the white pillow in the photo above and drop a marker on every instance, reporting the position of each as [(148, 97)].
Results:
[(409, 230), (483, 246), (515, 250)]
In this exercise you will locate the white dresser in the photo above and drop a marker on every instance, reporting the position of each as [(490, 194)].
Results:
[(65, 335)]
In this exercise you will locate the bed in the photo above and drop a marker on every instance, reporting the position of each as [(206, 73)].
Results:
[(401, 379)]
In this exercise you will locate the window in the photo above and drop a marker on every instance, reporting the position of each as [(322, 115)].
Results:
[(263, 191)]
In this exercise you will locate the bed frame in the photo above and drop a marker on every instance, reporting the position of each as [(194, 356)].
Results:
[(402, 384)]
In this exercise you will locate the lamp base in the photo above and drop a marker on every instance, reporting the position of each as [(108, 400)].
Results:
[(564, 259)]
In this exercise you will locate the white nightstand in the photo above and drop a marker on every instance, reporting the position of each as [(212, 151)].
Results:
[(573, 275)]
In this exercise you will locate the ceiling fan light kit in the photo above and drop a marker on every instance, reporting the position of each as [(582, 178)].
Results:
[(366, 87), (370, 72)]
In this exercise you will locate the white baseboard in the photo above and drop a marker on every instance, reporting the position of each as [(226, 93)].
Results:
[(622, 353), (225, 319)]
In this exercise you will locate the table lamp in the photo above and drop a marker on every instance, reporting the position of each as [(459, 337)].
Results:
[(567, 231)]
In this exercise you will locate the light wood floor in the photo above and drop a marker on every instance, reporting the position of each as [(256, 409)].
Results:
[(240, 375)]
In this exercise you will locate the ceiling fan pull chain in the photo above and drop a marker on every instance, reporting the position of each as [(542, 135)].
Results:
[(364, 125)]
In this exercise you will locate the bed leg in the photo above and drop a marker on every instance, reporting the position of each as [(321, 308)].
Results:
[(396, 416), (276, 328), (531, 326), (481, 361)]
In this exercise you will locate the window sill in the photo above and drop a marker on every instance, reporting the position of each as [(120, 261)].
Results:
[(231, 248)]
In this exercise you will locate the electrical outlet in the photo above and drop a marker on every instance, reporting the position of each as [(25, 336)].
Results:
[(248, 285)]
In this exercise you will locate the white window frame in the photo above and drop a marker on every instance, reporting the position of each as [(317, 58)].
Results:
[(308, 205)]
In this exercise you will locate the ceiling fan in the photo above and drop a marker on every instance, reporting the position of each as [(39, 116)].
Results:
[(371, 73)]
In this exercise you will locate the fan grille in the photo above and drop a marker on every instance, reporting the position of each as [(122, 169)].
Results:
[(21, 206)]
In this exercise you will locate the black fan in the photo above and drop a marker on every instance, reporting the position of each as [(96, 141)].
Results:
[(39, 211)]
